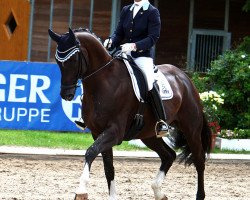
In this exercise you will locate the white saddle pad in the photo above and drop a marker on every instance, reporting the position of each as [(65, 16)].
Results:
[(166, 91)]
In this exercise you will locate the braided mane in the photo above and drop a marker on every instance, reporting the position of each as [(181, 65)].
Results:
[(80, 29)]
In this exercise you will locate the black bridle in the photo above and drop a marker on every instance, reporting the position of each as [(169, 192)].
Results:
[(80, 70), (81, 59)]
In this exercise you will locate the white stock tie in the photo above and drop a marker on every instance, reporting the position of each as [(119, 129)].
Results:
[(136, 9)]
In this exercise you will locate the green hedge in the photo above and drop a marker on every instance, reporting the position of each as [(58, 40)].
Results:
[(230, 75)]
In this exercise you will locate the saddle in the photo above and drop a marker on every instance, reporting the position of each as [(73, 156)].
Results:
[(139, 84), (138, 78), (140, 87)]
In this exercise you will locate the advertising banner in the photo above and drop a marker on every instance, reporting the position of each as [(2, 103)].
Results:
[(30, 98)]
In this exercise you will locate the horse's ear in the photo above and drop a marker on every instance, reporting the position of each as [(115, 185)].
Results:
[(71, 33), (54, 36)]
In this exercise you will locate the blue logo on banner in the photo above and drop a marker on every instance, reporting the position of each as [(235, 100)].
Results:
[(30, 98)]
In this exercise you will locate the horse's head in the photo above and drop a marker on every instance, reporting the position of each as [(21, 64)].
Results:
[(70, 59)]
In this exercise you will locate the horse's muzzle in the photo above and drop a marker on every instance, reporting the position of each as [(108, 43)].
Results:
[(68, 95)]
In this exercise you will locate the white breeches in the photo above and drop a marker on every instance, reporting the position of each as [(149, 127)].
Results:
[(146, 64)]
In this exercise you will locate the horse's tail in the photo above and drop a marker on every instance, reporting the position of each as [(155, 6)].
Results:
[(206, 136), (180, 142)]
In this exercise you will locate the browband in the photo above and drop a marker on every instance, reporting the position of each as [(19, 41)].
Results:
[(63, 56)]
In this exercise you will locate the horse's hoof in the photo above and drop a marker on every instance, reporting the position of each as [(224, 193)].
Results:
[(81, 197)]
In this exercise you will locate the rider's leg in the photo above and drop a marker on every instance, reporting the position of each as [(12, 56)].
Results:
[(147, 66), (161, 127)]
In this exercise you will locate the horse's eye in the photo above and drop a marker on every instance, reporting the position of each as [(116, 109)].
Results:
[(75, 58), (63, 64)]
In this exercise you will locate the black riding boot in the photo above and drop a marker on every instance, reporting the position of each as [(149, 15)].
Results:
[(80, 124), (161, 127)]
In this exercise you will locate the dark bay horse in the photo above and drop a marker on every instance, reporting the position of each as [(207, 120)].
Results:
[(110, 106)]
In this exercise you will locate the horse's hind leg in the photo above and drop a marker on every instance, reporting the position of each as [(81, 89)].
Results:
[(167, 156), (195, 147), (198, 157)]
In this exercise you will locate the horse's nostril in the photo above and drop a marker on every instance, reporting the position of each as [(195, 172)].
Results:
[(63, 96), (70, 97), (67, 97)]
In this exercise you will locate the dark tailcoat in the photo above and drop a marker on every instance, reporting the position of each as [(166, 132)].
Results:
[(143, 29)]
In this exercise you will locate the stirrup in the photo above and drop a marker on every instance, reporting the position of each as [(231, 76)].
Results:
[(80, 125), (164, 131)]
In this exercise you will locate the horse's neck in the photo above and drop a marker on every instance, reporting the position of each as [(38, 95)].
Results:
[(98, 58), (110, 77), (97, 55)]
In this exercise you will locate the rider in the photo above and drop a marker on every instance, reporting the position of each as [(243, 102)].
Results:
[(138, 30)]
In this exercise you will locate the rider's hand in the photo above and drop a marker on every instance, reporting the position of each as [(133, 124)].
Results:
[(128, 47), (107, 43)]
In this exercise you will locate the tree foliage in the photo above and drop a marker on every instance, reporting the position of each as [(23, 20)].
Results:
[(246, 7)]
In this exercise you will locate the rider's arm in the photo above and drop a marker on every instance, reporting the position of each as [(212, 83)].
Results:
[(118, 35), (154, 27)]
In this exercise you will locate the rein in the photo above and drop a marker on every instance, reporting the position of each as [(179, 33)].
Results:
[(93, 73), (67, 87)]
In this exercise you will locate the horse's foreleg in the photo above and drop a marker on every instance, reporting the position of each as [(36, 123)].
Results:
[(104, 142), (109, 173), (81, 192)]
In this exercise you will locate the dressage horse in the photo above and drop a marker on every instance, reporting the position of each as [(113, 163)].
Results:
[(110, 105)]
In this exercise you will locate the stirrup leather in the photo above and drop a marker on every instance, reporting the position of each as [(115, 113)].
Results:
[(161, 133)]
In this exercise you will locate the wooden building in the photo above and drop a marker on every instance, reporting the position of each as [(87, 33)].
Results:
[(14, 29), (193, 33)]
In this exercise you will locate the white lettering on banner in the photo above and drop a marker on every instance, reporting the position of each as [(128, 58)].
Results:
[(26, 99), (6, 117), (14, 87), (2, 92), (35, 90), (43, 115), (33, 113), (19, 114)]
